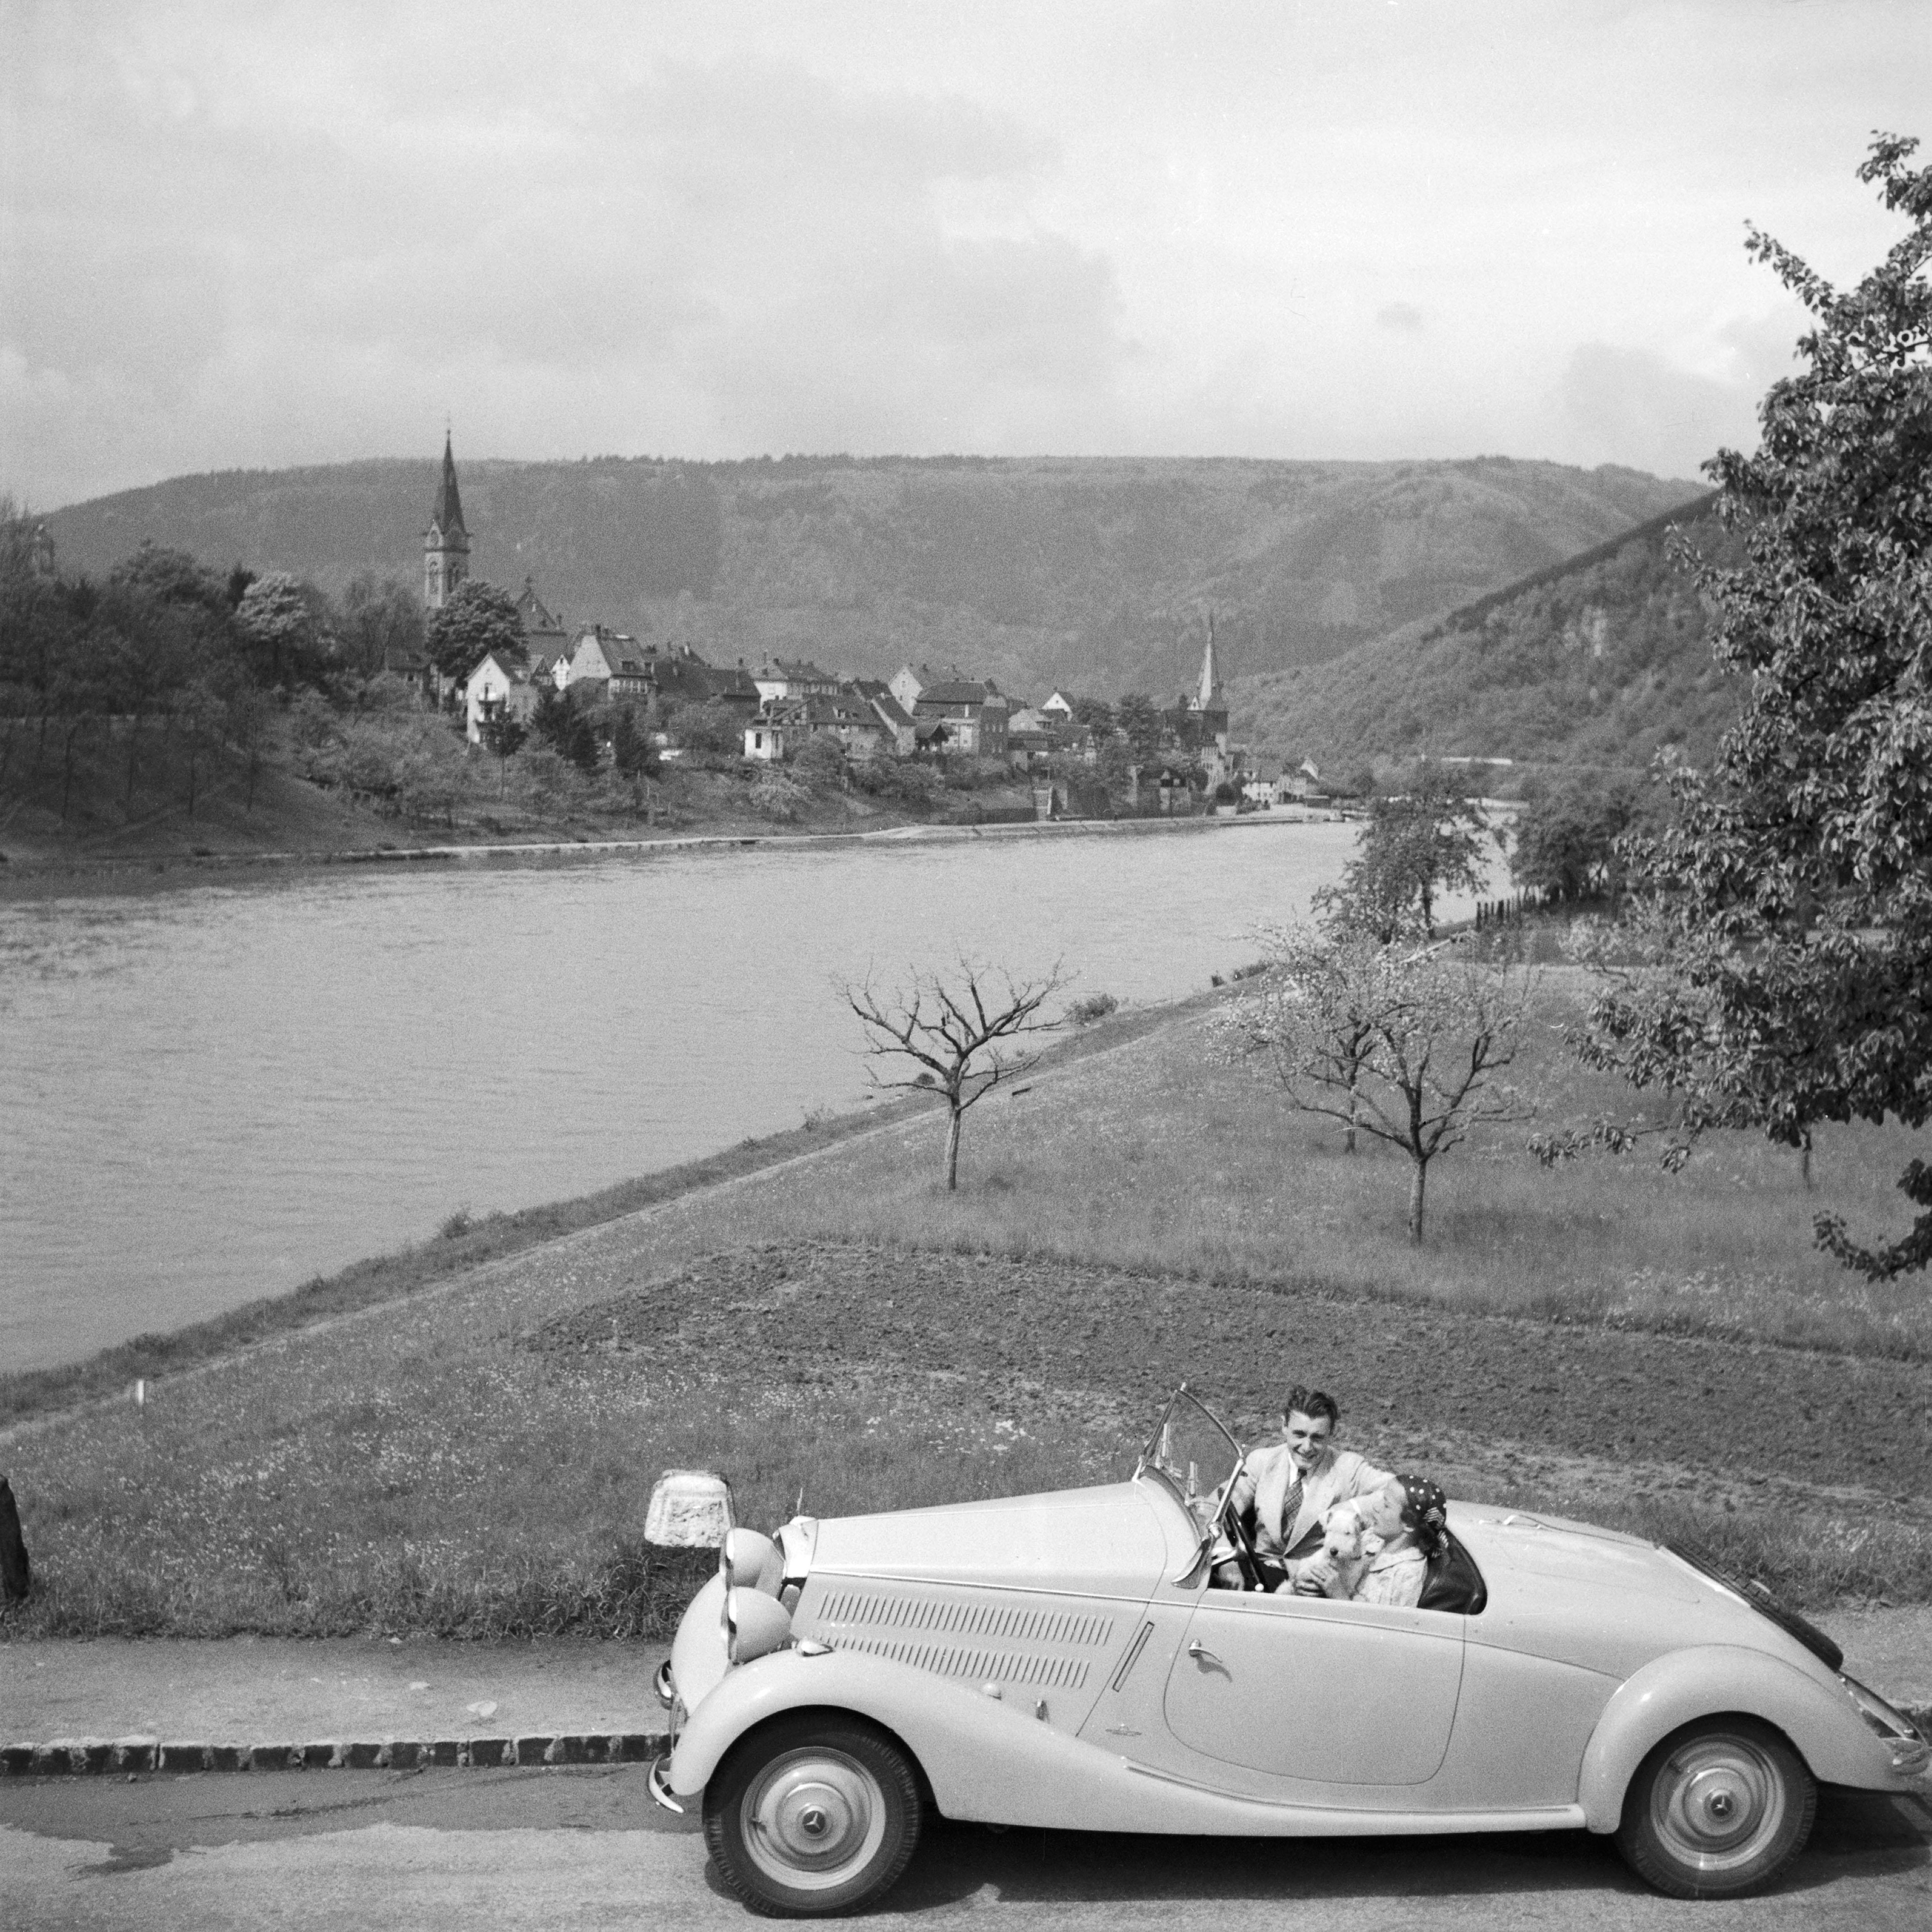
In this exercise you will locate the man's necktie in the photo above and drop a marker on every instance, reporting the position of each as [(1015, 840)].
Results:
[(1291, 1509)]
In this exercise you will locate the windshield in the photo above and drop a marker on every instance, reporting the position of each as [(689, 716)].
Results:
[(1192, 1451)]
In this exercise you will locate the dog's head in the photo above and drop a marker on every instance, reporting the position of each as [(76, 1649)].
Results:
[(1342, 1530)]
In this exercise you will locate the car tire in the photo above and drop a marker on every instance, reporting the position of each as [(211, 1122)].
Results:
[(812, 1815), (1719, 1808)]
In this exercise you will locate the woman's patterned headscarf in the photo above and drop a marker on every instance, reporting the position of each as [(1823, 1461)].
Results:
[(1425, 1515)]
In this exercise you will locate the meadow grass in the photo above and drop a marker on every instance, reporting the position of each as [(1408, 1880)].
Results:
[(412, 1464), (1169, 1159)]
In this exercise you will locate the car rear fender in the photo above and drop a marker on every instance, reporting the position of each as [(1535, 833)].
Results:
[(1718, 1680)]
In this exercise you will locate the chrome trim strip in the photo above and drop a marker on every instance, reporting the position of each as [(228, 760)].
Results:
[(1133, 1657), (1545, 1818)]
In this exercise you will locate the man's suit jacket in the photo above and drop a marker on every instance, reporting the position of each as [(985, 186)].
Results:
[(1263, 1488)]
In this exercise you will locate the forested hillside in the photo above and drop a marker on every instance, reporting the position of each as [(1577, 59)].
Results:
[(1605, 664), (1092, 572)]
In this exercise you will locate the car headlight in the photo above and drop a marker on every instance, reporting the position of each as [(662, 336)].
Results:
[(748, 1561), (755, 1624), (1910, 1752)]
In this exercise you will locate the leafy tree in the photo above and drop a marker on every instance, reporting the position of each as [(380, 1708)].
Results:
[(1139, 719), (632, 752), (564, 726), (380, 623), (1094, 714), (713, 728), (1795, 983), (503, 734), (1566, 841), (1429, 839), (821, 759), (478, 619), (1400, 1041), (283, 625), (957, 1035)]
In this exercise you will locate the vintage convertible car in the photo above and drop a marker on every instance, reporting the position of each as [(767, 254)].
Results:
[(1069, 1660)]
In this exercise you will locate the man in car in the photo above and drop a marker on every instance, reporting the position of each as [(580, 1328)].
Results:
[(1287, 1487)]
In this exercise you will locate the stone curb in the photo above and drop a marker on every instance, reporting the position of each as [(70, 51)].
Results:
[(95, 1757)]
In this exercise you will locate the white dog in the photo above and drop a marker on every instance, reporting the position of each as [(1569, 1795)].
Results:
[(1350, 1539)]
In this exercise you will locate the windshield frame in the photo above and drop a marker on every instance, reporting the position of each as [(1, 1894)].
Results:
[(1184, 1401)]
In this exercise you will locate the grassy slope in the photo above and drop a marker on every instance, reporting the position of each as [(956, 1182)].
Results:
[(1601, 665), (424, 1465)]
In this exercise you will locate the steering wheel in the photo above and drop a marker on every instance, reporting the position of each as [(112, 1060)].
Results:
[(1239, 1542)]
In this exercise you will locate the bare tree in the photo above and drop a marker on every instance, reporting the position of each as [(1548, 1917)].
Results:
[(1403, 1042), (955, 1033)]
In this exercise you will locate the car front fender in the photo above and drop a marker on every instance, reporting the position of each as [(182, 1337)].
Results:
[(1717, 1680), (989, 1760)]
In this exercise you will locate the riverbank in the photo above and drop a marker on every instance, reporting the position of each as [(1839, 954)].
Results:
[(27, 880), (472, 1461)]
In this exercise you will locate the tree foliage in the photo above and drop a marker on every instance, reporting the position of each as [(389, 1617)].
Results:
[(1428, 838), (1793, 977), (1565, 842), (1141, 723), (478, 619)]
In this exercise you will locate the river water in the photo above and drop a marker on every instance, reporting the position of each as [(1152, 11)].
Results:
[(212, 1094)]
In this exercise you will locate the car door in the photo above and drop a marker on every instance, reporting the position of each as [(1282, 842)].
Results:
[(1358, 1694)]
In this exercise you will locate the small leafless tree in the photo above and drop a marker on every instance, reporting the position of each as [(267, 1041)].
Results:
[(957, 1032), (1404, 1041)]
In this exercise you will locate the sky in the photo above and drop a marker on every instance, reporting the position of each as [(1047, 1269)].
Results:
[(248, 235)]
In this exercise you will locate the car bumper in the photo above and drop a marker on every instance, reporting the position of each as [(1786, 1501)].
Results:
[(659, 1782)]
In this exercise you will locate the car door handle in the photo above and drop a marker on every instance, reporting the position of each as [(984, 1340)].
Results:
[(1202, 1654)]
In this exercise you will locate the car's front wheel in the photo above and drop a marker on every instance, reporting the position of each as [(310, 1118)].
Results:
[(1719, 1807), (810, 1815)]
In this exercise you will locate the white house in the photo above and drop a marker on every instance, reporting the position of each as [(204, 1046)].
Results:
[(1060, 708), (765, 739), (500, 684)]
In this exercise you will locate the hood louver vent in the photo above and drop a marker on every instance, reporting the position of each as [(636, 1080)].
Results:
[(963, 1617), (1066, 1673), (1014, 1643)]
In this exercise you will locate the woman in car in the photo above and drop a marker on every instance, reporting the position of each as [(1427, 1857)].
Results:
[(1411, 1517)]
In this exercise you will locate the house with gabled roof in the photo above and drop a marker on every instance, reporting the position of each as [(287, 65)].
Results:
[(782, 727), (543, 631), (797, 677), (500, 685), (900, 729)]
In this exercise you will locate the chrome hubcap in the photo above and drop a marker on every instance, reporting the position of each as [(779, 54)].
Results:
[(1719, 1802), (813, 1818)]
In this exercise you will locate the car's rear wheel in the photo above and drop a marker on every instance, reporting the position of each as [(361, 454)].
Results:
[(810, 1816), (1719, 1807)]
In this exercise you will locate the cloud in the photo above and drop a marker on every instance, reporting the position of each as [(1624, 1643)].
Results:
[(1403, 317), (1631, 406)]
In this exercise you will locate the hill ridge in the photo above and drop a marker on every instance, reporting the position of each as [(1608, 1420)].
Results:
[(1095, 571)]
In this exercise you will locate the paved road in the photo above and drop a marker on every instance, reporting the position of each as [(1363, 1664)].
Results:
[(586, 1849)]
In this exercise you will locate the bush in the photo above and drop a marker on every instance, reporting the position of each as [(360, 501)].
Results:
[(821, 760), (776, 795), (1095, 1006)]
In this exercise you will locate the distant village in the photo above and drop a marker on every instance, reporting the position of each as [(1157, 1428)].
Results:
[(1175, 759)]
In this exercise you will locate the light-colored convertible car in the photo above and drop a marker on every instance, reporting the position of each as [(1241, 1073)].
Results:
[(1070, 1661)]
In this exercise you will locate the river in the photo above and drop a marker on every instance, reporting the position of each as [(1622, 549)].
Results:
[(216, 1093)]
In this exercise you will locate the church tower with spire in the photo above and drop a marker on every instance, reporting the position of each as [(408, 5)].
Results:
[(1209, 704), (446, 543)]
